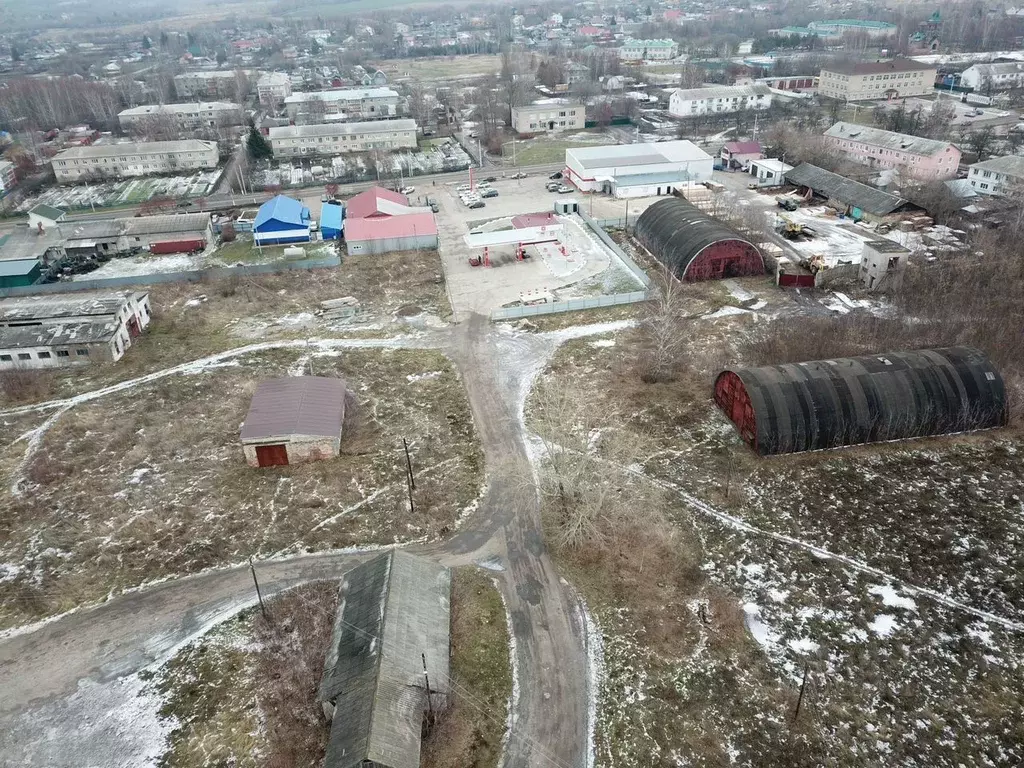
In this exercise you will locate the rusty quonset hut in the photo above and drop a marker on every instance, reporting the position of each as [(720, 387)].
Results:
[(849, 401), (694, 245)]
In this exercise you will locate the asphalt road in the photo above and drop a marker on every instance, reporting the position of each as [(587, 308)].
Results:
[(41, 670)]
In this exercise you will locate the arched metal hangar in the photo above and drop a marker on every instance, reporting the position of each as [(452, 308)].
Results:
[(853, 400), (694, 245)]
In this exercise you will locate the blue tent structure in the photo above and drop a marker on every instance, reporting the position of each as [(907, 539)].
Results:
[(331, 224), (281, 220)]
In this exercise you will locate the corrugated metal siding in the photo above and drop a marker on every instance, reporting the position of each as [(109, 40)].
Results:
[(680, 235), (848, 401)]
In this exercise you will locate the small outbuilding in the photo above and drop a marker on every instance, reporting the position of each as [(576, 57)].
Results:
[(331, 221), (42, 217), (294, 419), (387, 666), (16, 273), (875, 398), (693, 245), (281, 220)]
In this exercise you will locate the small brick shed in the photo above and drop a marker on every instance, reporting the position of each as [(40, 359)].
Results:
[(294, 419)]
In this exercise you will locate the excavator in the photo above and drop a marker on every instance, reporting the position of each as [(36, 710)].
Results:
[(793, 230)]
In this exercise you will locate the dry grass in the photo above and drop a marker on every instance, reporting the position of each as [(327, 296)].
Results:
[(192, 320), (153, 483), (25, 385), (469, 733), (245, 694)]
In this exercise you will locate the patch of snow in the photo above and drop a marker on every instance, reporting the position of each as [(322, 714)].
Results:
[(513, 660), (726, 312), (139, 474), (803, 645), (892, 598), (883, 625), (603, 343), (414, 377), (760, 631)]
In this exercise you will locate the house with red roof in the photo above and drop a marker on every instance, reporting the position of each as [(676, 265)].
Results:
[(739, 154), (381, 221)]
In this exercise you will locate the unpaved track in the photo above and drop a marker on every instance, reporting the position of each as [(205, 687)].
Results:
[(100, 644)]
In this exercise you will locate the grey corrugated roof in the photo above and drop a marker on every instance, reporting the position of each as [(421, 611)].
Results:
[(47, 211), (54, 308), (136, 148), (1011, 165), (341, 129), (876, 67), (832, 185), (296, 405), (722, 92), (848, 401), (168, 223), (393, 610), (60, 335), (877, 137)]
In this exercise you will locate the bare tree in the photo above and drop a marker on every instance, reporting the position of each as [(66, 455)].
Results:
[(664, 330)]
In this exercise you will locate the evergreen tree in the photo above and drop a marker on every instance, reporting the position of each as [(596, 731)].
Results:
[(147, 43), (259, 147)]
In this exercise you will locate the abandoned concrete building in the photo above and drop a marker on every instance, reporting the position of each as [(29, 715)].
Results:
[(387, 664), (294, 419), (56, 331)]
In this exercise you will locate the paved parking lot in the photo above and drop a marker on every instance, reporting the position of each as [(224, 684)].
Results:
[(482, 289)]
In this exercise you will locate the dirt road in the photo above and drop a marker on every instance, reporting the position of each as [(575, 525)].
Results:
[(43, 671)]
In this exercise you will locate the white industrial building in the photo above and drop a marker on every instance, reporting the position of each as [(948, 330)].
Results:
[(637, 170), (344, 104), (769, 172), (339, 138), (549, 116), (718, 99), (56, 331), (273, 88), (190, 116), (103, 161)]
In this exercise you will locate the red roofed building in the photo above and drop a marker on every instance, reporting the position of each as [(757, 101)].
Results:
[(589, 31), (381, 221), (738, 154)]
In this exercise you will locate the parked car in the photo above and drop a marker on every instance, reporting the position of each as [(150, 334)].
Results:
[(185, 204), (489, 193), (471, 135), (519, 175), (435, 207), (477, 204), (407, 190), (555, 175), (564, 189), (463, 188), (491, 179), (552, 186)]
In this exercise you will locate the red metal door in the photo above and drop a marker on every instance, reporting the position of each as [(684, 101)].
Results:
[(272, 455)]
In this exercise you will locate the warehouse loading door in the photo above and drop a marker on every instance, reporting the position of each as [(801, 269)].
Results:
[(272, 455)]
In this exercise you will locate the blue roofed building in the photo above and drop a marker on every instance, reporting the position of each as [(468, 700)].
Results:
[(332, 221), (281, 220), (15, 273)]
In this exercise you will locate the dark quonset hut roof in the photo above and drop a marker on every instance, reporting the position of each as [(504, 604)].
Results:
[(848, 401), (393, 613), (679, 234)]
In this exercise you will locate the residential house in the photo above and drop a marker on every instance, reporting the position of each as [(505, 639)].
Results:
[(344, 104), (341, 138), (718, 99), (738, 154), (551, 115), (102, 161), (60, 330), (924, 159), (999, 176), (993, 77), (212, 84), (896, 79), (648, 50), (273, 88), (184, 117), (7, 177)]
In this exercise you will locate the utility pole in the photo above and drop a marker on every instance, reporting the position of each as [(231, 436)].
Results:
[(259, 595), (426, 678), (408, 464), (800, 698)]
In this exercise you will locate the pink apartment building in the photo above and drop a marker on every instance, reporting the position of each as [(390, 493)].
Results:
[(925, 159)]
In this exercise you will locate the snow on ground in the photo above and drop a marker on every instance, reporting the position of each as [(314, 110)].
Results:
[(143, 265), (839, 241)]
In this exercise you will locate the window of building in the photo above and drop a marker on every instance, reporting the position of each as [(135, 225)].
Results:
[(62, 353), (82, 352), (24, 356), (984, 185), (44, 355), (5, 358)]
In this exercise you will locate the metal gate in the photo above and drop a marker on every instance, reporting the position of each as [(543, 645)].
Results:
[(272, 455)]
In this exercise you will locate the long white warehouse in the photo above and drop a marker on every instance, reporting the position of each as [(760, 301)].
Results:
[(637, 170)]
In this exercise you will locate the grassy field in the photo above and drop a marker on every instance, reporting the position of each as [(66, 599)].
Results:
[(439, 67), (246, 680), (191, 320), (543, 151), (704, 662), (163, 488), (469, 733)]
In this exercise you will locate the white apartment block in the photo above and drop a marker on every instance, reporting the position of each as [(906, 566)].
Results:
[(548, 117), (340, 138), (895, 79), (648, 50), (214, 84), (7, 177), (273, 88), (103, 161), (993, 77), (345, 104), (999, 176), (719, 99), (191, 116)]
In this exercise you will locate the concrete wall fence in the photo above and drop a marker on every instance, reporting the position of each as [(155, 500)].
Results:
[(598, 228), (191, 276), (569, 305)]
